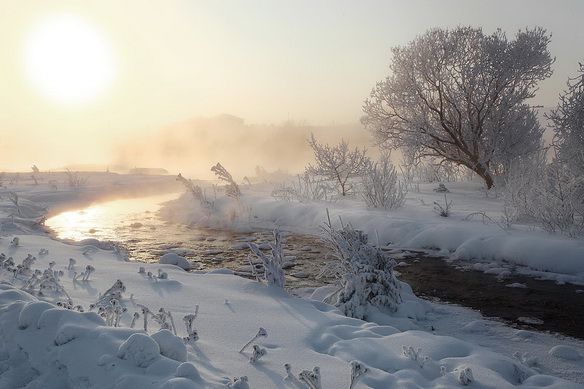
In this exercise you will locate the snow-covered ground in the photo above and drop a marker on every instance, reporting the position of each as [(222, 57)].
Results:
[(49, 347), (423, 345)]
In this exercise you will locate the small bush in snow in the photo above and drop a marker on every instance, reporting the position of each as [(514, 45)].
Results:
[(15, 242), (465, 376), (257, 353), (558, 202), (415, 355), (262, 333), (13, 197), (365, 273), (189, 320), (441, 188), (75, 180), (273, 272), (305, 189), (357, 371), (198, 193), (443, 209), (238, 383), (311, 378), (381, 187), (231, 189)]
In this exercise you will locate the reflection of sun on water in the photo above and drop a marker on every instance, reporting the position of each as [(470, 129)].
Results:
[(112, 220)]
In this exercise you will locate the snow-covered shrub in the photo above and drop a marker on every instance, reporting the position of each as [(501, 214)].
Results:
[(415, 355), (238, 383), (465, 376), (381, 187), (311, 378), (357, 371), (262, 333), (231, 187), (443, 209), (257, 353), (306, 188), (273, 272), (198, 194), (568, 125), (75, 180), (441, 188), (557, 203), (364, 272), (337, 164), (189, 320), (13, 197), (516, 188)]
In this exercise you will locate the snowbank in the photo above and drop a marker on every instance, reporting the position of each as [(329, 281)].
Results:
[(54, 347)]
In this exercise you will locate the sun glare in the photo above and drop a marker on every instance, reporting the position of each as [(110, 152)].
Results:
[(68, 60)]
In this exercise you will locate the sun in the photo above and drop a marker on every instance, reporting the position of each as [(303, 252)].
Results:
[(68, 60)]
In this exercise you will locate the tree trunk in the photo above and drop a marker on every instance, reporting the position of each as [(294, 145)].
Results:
[(484, 174)]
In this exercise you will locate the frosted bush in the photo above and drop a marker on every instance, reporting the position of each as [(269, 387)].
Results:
[(231, 188), (465, 376), (415, 355), (262, 333), (558, 202), (311, 378), (364, 272), (273, 272), (443, 209), (357, 371), (198, 193), (189, 320), (381, 187), (238, 383), (306, 188), (75, 180), (257, 353)]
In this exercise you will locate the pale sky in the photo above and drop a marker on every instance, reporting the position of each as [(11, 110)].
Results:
[(264, 61)]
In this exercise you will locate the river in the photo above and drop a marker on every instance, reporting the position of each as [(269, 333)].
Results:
[(136, 225)]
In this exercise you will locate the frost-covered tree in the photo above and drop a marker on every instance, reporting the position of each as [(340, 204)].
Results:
[(568, 124), (460, 95), (337, 164), (381, 187), (365, 273)]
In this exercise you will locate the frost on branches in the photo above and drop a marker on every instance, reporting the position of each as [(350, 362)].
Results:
[(381, 187), (365, 273), (273, 272), (568, 122), (197, 192), (460, 96), (231, 188), (337, 164)]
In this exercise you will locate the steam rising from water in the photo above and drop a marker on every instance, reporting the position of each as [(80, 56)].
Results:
[(192, 147)]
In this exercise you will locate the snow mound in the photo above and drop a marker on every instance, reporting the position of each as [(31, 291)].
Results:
[(565, 352), (141, 349), (175, 259), (170, 346)]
